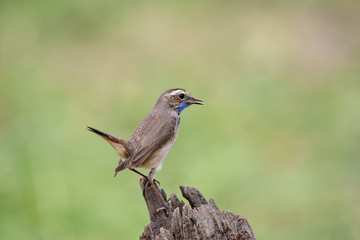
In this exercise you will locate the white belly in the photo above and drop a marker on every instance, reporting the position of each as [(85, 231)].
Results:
[(156, 158)]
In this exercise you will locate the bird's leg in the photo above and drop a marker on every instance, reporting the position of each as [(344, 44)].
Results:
[(150, 179), (143, 175), (159, 195), (152, 176), (136, 171)]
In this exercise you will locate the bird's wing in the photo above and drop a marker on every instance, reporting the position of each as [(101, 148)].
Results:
[(152, 133)]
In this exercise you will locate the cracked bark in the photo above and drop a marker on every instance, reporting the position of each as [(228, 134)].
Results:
[(200, 219)]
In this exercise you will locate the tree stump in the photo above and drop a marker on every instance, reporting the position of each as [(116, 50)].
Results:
[(199, 220)]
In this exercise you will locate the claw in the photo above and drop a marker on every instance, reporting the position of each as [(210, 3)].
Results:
[(156, 182), (162, 209)]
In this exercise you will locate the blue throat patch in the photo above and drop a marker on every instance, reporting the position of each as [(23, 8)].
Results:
[(182, 106)]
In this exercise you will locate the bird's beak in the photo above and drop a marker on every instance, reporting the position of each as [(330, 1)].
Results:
[(192, 100)]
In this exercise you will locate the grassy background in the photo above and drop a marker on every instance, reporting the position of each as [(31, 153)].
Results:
[(277, 141)]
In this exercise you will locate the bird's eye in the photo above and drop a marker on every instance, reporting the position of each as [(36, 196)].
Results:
[(181, 96)]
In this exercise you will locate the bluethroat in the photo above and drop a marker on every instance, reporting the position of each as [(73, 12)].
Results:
[(153, 138)]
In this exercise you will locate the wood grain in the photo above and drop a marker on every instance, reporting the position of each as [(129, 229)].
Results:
[(200, 219)]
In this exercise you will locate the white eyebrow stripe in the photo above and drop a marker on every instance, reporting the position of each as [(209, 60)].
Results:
[(176, 92)]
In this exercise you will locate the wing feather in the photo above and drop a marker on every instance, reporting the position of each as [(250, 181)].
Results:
[(151, 134)]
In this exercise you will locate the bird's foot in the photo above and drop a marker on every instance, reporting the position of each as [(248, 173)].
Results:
[(148, 184), (156, 182)]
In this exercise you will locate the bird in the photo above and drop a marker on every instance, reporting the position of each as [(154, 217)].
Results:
[(153, 138)]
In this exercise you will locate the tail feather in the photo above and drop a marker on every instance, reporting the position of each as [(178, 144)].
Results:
[(120, 145), (104, 135)]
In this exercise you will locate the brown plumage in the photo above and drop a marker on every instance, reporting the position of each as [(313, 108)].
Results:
[(153, 138)]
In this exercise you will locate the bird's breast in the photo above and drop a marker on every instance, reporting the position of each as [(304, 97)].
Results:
[(156, 158)]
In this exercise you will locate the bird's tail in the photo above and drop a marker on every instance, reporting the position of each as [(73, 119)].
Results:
[(120, 145)]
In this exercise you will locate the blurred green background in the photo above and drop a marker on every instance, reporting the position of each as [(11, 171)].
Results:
[(277, 141)]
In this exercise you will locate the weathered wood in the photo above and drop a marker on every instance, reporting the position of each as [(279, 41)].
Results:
[(200, 220)]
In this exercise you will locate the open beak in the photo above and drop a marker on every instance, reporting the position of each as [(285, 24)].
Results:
[(192, 100)]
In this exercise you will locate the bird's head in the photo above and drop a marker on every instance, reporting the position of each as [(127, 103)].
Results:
[(178, 99)]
